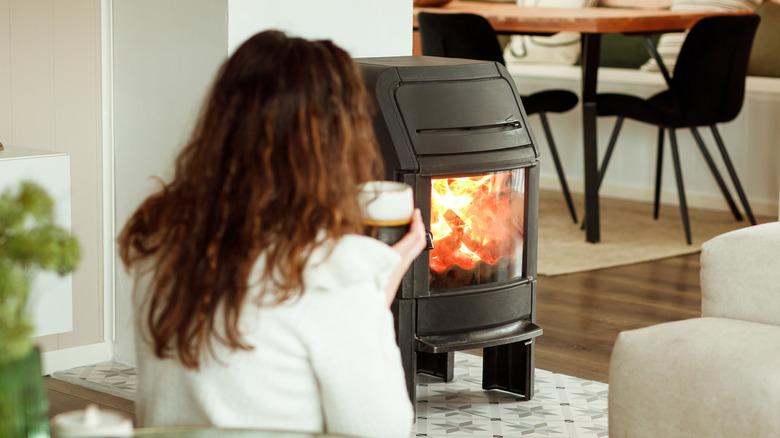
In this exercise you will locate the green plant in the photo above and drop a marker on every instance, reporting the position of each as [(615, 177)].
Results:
[(30, 241)]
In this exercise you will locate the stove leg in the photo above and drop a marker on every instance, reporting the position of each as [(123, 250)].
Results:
[(509, 368), (409, 358), (437, 364), (404, 312)]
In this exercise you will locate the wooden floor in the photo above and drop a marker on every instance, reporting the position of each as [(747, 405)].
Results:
[(65, 397), (581, 315)]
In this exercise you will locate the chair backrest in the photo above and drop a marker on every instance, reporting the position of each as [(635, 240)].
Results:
[(467, 36), (709, 77)]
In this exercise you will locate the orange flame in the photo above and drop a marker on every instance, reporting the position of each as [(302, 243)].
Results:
[(472, 220)]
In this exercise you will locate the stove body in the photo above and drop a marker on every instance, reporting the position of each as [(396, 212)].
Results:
[(455, 130)]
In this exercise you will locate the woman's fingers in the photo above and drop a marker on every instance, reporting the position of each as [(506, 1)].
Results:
[(417, 229), (413, 242)]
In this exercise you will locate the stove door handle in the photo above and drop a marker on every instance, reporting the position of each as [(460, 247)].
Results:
[(429, 240)]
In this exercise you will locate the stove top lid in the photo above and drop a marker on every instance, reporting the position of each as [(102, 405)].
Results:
[(446, 107), (432, 68)]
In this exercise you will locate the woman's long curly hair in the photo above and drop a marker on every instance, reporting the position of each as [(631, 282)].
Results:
[(272, 168)]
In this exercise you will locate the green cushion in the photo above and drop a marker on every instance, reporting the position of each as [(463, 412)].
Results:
[(765, 57), (623, 51)]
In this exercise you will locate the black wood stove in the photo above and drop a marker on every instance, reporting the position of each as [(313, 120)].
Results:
[(456, 131)]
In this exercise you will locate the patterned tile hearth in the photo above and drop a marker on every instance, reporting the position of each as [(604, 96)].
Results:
[(563, 406)]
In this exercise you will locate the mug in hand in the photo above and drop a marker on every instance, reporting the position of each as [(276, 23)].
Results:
[(387, 209)]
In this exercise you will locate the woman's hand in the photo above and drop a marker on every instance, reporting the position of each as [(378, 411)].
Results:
[(409, 247)]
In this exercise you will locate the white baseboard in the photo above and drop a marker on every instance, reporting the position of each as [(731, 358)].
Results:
[(66, 358), (668, 197)]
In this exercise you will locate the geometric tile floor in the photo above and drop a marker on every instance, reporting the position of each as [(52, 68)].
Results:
[(563, 406), (109, 377)]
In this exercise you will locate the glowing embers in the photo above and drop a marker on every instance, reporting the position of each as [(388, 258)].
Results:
[(477, 226)]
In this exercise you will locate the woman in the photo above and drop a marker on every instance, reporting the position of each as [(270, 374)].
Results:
[(258, 303)]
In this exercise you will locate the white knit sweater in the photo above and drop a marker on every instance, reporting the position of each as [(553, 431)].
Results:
[(326, 362)]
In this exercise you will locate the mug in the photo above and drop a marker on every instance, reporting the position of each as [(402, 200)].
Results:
[(387, 208)]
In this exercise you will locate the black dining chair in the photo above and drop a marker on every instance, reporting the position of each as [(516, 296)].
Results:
[(471, 36), (707, 88)]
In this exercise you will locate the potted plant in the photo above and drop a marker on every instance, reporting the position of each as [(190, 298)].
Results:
[(30, 241)]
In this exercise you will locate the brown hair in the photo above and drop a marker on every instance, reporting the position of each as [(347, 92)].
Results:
[(272, 168)]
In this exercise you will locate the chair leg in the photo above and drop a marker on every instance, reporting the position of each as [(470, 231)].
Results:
[(659, 166), (610, 148), (716, 174), (608, 154), (680, 186), (733, 174), (558, 166)]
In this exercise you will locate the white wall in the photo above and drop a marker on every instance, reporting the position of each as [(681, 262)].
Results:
[(50, 99), (753, 141), (165, 55), (363, 27)]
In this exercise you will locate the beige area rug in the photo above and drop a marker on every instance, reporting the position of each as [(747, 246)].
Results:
[(628, 234)]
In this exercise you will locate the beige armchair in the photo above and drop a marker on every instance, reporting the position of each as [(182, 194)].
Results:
[(714, 376)]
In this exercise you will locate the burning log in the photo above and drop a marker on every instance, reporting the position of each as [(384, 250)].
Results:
[(455, 222), (482, 273), (458, 227)]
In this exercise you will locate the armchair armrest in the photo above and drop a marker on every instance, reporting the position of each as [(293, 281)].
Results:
[(740, 275)]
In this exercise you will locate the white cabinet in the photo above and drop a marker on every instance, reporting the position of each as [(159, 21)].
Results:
[(52, 295)]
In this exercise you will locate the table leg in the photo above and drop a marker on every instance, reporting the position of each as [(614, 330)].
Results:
[(591, 44)]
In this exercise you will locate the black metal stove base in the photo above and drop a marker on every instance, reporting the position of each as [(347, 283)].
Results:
[(441, 365), (507, 367), (510, 368)]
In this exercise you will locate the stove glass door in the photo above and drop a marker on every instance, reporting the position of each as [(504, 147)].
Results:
[(477, 224)]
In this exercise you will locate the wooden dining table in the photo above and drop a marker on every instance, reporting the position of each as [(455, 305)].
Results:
[(591, 23)]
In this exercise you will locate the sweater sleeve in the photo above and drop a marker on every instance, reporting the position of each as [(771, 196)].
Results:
[(358, 365)]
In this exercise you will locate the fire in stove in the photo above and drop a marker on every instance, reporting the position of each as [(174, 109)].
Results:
[(477, 226)]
